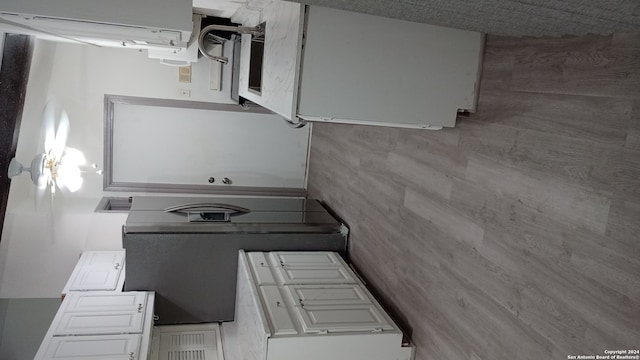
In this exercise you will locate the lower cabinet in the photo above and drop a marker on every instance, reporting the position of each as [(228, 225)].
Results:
[(310, 305), (100, 325)]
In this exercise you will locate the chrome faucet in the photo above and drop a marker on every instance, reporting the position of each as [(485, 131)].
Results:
[(255, 31)]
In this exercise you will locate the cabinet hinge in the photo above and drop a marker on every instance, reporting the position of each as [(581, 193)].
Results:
[(323, 332), (377, 330)]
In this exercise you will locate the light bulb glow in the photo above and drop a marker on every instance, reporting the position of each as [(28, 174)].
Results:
[(69, 176), (73, 157)]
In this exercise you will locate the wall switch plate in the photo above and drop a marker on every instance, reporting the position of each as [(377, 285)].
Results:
[(184, 92)]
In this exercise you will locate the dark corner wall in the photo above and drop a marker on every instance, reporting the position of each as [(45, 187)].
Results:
[(14, 74)]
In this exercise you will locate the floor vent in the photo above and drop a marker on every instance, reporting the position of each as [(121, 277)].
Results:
[(186, 342), (187, 355)]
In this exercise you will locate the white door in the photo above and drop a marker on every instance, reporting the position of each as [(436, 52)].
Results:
[(101, 302), (306, 295), (104, 347), (340, 318), (99, 270), (306, 258), (95, 323), (191, 146), (290, 275)]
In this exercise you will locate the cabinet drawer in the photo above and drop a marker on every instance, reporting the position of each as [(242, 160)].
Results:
[(306, 258), (279, 316), (261, 268), (290, 275)]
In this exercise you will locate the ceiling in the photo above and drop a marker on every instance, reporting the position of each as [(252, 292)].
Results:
[(506, 17)]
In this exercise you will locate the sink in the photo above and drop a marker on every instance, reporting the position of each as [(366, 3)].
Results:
[(256, 60)]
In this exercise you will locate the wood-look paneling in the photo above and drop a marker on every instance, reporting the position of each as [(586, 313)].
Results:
[(515, 235)]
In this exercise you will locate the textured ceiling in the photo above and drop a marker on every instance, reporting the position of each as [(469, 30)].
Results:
[(506, 17)]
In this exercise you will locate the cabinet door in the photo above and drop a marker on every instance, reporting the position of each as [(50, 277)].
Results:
[(105, 347), (306, 258), (305, 295), (95, 323), (104, 259), (98, 270), (290, 275), (261, 268), (340, 318), (86, 302), (279, 316)]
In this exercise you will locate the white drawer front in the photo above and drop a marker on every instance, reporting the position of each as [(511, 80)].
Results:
[(277, 309), (261, 269)]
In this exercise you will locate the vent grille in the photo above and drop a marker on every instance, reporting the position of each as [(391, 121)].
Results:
[(187, 355), (186, 339)]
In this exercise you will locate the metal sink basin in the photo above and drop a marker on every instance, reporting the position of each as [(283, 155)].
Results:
[(256, 61)]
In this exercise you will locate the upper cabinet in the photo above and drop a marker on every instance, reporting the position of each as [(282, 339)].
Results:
[(322, 64), (122, 23)]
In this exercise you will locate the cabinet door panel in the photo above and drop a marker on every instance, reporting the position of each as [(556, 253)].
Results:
[(105, 259), (95, 279), (314, 275), (98, 270), (93, 323), (84, 302), (340, 318), (261, 268), (304, 295), (278, 314), (306, 258), (105, 347)]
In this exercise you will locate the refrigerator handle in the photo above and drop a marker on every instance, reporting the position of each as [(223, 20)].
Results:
[(206, 207)]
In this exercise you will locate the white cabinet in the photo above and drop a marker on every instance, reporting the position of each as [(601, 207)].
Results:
[(105, 347), (100, 325), (386, 72), (97, 270), (317, 309), (118, 23)]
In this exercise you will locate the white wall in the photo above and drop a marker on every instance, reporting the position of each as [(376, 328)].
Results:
[(38, 250)]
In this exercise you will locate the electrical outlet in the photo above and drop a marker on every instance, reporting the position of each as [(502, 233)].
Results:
[(184, 92), (184, 74)]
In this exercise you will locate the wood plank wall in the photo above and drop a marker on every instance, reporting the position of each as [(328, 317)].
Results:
[(515, 235)]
